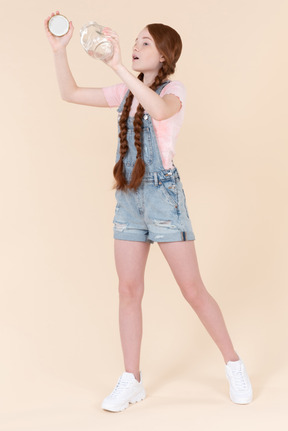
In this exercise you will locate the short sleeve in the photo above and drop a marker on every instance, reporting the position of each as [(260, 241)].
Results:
[(176, 88), (114, 94)]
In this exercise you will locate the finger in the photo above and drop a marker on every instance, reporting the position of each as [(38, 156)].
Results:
[(48, 18), (108, 30), (115, 44), (114, 34), (71, 27), (46, 24), (113, 38)]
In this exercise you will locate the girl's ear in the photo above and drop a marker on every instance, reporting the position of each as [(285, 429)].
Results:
[(162, 59)]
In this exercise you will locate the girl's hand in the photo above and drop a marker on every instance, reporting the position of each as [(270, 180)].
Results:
[(58, 42), (113, 37)]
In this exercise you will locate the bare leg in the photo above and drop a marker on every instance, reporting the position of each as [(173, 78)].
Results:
[(130, 260), (181, 257)]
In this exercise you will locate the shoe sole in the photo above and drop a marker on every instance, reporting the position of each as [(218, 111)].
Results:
[(241, 401), (135, 399)]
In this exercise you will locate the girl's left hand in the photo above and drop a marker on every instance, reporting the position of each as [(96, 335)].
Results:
[(113, 37)]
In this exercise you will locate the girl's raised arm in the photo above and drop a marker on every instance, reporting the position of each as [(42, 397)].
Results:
[(160, 108), (69, 90)]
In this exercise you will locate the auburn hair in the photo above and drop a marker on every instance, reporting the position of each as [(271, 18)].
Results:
[(169, 44)]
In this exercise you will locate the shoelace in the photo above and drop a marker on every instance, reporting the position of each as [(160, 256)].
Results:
[(239, 378), (121, 384)]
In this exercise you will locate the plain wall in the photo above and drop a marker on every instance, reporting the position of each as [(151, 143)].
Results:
[(59, 288)]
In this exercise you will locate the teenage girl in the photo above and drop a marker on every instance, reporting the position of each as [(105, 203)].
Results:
[(151, 203)]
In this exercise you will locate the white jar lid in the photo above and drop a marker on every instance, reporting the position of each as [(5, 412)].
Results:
[(58, 25)]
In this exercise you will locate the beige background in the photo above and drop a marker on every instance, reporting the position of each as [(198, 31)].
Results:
[(60, 346)]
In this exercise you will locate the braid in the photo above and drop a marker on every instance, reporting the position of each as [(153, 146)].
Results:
[(139, 166), (118, 170)]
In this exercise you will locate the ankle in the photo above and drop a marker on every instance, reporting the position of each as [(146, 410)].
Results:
[(136, 375), (233, 358)]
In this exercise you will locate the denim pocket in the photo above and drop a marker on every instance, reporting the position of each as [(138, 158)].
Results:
[(169, 190)]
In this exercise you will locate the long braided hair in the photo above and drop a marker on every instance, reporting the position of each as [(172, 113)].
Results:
[(168, 43)]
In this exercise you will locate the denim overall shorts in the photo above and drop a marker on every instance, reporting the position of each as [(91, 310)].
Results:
[(156, 211)]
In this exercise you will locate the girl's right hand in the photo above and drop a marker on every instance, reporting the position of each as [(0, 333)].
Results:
[(58, 42)]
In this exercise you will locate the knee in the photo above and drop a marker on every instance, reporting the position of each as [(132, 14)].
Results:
[(194, 293), (131, 291)]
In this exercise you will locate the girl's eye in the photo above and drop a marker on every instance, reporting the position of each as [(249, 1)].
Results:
[(145, 43)]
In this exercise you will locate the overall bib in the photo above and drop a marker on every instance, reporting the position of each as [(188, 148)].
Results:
[(156, 211)]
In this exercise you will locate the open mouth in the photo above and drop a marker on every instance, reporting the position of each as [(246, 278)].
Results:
[(134, 57)]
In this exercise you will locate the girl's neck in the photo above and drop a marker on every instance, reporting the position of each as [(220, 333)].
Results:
[(148, 81), (149, 78)]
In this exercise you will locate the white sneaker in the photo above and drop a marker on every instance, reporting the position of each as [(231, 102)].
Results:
[(240, 386), (128, 390)]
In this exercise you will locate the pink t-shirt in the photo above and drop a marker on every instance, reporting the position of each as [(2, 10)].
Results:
[(166, 130)]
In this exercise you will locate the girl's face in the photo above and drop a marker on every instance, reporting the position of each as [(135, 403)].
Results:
[(145, 56)]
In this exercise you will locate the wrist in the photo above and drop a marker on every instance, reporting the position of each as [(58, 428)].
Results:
[(59, 51), (118, 68)]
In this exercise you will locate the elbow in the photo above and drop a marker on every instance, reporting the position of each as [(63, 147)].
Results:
[(69, 96), (66, 98), (162, 114), (159, 116)]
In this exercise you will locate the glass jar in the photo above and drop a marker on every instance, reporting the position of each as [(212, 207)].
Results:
[(95, 42)]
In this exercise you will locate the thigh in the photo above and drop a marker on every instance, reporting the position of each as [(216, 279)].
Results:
[(182, 259), (129, 223), (166, 213), (130, 260)]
